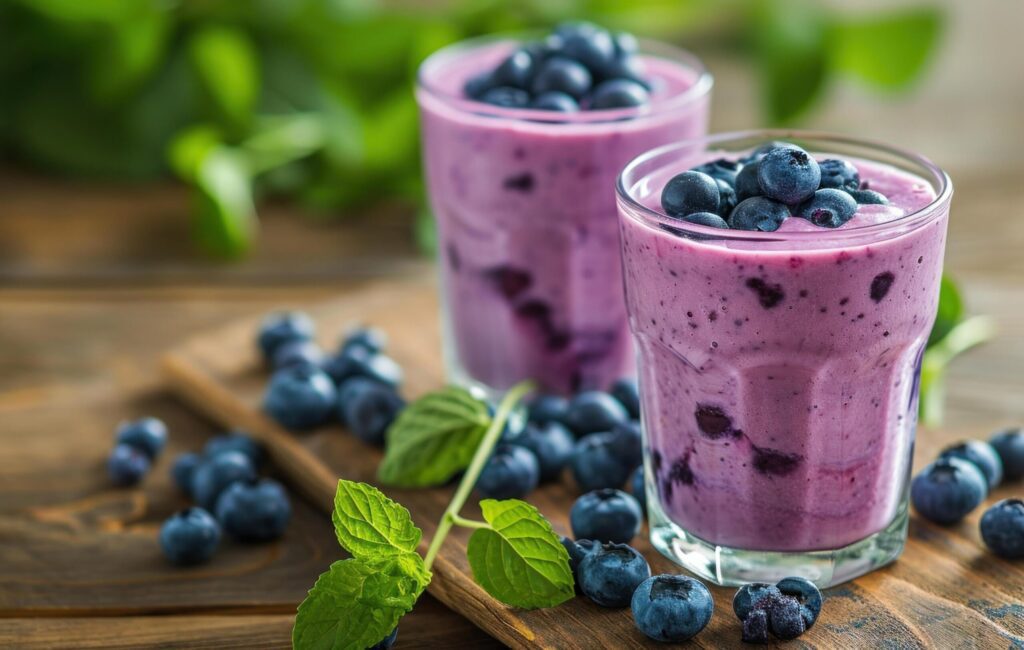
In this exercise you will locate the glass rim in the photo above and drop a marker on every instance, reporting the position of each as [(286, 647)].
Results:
[(701, 86), (940, 179)]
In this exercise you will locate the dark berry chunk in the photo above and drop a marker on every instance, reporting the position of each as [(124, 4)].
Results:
[(829, 208), (755, 627), (868, 197), (509, 280), (723, 169), (774, 462), (768, 294), (680, 471), (839, 174), (618, 93), (806, 593), (753, 595), (785, 618), (516, 71), (880, 285), (555, 101), (690, 192), (562, 75), (788, 174), (519, 183), (758, 213), (506, 97), (713, 422), (747, 184)]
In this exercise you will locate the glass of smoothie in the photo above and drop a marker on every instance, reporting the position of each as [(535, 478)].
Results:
[(528, 234), (779, 367)]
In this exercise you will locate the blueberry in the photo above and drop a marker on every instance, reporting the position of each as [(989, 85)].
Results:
[(282, 327), (1002, 528), (551, 443), (788, 174), (785, 618), (627, 392), (183, 468), (596, 464), (578, 550), (357, 361), (948, 489), (548, 408), (506, 97), (983, 455), (1009, 444), (625, 44), (593, 48), (611, 573), (761, 151), (690, 192), (629, 68), (189, 537), (753, 596), (721, 169), (758, 213), (562, 75), (215, 474), (627, 443), (868, 197), (236, 441), (829, 208), (477, 85), (572, 27), (593, 411), (606, 516), (148, 435), (516, 70), (555, 101), (254, 510), (706, 219), (838, 174), (300, 397), (127, 465), (296, 353), (370, 339), (747, 184), (638, 488), (806, 593), (368, 407), (755, 627), (726, 198), (618, 93), (671, 608), (510, 473), (386, 642)]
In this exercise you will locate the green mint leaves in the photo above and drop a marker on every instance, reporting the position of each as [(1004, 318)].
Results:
[(370, 524), (434, 438), (519, 559)]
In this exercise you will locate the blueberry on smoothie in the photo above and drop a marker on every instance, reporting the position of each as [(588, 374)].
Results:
[(300, 397), (368, 407), (828, 208), (606, 515), (127, 465), (593, 47), (506, 97), (982, 454), (746, 184), (721, 169), (638, 488), (551, 443), (189, 537), (627, 392), (148, 435), (555, 101), (947, 490), (215, 474), (625, 44), (564, 75), (182, 469), (1002, 528), (477, 85), (596, 463), (611, 573), (282, 327), (839, 174), (618, 93), (548, 408), (254, 510), (516, 71), (593, 411), (758, 213), (868, 197), (708, 219), (760, 152), (1009, 444), (788, 175), (690, 192), (671, 608), (511, 472), (236, 441), (726, 198)]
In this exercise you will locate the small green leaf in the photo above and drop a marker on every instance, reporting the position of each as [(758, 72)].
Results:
[(226, 62), (225, 215), (951, 310), (434, 438), (887, 51), (189, 149), (519, 560), (358, 602), (368, 524)]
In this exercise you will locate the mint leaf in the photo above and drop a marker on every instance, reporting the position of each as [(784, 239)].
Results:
[(226, 63), (434, 438), (950, 312), (519, 560), (358, 602), (368, 524), (226, 217), (888, 51)]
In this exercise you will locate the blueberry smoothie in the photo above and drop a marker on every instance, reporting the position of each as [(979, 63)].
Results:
[(522, 187), (779, 341)]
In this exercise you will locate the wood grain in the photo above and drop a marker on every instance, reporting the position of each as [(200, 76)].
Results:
[(944, 590)]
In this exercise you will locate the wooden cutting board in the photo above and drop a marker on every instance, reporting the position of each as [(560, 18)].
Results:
[(945, 591)]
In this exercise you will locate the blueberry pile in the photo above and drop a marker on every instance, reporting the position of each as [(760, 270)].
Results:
[(961, 478), (223, 480), (356, 386), (760, 191), (579, 66), (786, 609), (137, 445)]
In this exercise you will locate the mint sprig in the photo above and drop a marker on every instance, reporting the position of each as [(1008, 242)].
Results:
[(515, 554)]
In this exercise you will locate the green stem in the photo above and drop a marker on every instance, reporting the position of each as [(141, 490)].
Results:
[(483, 452), (964, 336), (469, 523)]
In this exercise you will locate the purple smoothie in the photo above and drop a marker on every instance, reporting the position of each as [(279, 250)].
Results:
[(527, 227), (779, 371)]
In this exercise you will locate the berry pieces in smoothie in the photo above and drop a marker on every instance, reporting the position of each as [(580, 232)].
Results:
[(774, 462), (1002, 528), (768, 294), (1009, 444), (982, 454), (880, 285), (671, 608), (947, 490), (714, 423), (509, 280)]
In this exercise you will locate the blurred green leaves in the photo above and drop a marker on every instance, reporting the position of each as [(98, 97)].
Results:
[(887, 52), (226, 64)]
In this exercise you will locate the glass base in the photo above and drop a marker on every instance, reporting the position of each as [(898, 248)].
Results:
[(732, 567)]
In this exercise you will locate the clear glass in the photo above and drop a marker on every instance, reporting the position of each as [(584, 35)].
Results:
[(528, 234), (779, 371)]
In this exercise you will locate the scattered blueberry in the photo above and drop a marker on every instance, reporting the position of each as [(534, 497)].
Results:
[(215, 474), (1009, 445), (709, 219), (368, 407), (148, 435), (690, 192), (596, 463), (671, 608), (755, 627), (806, 594), (593, 411), (606, 515), (788, 174), (516, 71), (753, 596), (838, 174), (511, 472), (785, 618), (983, 455), (357, 361), (183, 468), (236, 441), (747, 184), (127, 465), (563, 75), (1002, 528), (628, 444), (386, 642), (551, 443), (190, 537), (295, 353), (627, 392), (829, 208), (300, 397), (506, 97), (578, 550), (370, 339), (618, 93), (555, 101), (548, 408), (948, 489), (638, 487), (758, 213), (254, 510), (868, 197), (282, 327), (611, 573)]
